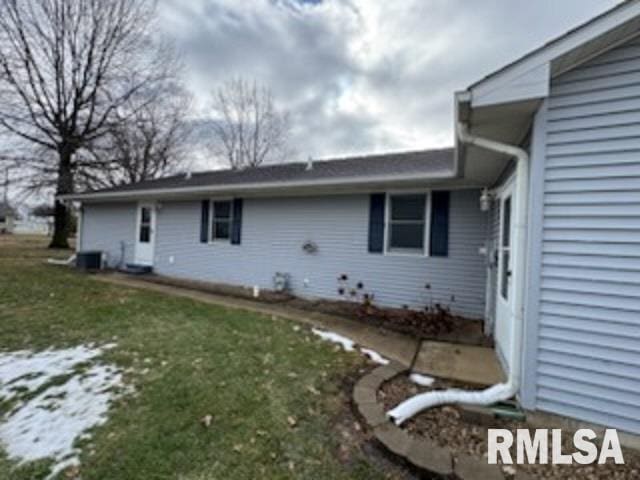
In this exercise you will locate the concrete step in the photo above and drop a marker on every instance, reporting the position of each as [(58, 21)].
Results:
[(477, 365), (136, 269)]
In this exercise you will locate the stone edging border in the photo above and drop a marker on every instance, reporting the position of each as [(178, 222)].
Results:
[(422, 453)]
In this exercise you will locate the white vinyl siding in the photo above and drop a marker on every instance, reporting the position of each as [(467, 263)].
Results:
[(275, 229), (110, 228), (587, 359)]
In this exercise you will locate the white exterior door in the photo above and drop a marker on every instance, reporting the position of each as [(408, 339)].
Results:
[(145, 233), (504, 293)]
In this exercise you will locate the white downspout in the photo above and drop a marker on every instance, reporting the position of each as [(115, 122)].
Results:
[(501, 391)]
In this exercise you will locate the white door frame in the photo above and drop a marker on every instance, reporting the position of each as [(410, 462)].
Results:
[(504, 316), (145, 251)]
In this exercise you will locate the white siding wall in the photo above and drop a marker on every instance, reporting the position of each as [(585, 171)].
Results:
[(274, 230), (586, 362), (108, 227)]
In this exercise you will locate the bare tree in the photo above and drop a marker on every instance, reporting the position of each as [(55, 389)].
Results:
[(149, 140), (67, 67), (33, 169), (248, 129)]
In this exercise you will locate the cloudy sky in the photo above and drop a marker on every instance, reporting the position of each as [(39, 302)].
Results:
[(362, 75)]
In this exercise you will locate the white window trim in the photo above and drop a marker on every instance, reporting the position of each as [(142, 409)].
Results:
[(211, 219), (152, 221), (427, 224)]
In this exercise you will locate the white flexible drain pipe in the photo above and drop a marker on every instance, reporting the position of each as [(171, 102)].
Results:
[(501, 391)]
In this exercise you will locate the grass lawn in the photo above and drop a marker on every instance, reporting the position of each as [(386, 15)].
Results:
[(185, 360)]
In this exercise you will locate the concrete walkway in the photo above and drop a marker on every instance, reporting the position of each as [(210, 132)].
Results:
[(471, 364), (392, 345)]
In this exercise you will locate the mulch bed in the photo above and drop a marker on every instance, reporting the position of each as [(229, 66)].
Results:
[(450, 428), (434, 325)]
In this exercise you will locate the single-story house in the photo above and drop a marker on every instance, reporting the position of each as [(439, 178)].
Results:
[(531, 222), (8, 217)]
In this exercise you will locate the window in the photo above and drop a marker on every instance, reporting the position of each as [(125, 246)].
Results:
[(406, 224), (505, 271), (221, 220)]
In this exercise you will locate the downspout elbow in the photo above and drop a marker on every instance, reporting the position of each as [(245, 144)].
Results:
[(465, 137)]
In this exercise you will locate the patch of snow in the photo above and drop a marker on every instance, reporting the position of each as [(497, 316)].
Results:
[(422, 380), (346, 343), (349, 345), (25, 371), (374, 356), (70, 400)]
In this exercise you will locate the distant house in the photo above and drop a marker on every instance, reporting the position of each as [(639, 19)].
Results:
[(532, 222), (8, 217), (39, 221), (33, 225)]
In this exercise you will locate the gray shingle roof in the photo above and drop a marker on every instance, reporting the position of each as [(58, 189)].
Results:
[(418, 163)]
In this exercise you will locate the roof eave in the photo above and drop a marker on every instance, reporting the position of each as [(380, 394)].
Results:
[(503, 103), (255, 187)]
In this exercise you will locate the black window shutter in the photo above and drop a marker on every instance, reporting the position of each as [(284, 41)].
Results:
[(439, 241), (236, 227), (376, 223), (204, 222)]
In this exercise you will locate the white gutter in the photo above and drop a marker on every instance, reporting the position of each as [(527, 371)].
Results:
[(501, 391)]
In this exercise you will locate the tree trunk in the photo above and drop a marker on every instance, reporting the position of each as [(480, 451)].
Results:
[(61, 214)]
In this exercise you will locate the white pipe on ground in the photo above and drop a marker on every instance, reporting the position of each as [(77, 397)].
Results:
[(501, 391), (65, 262)]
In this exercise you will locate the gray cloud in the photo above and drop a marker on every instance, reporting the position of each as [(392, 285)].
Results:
[(363, 75)]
